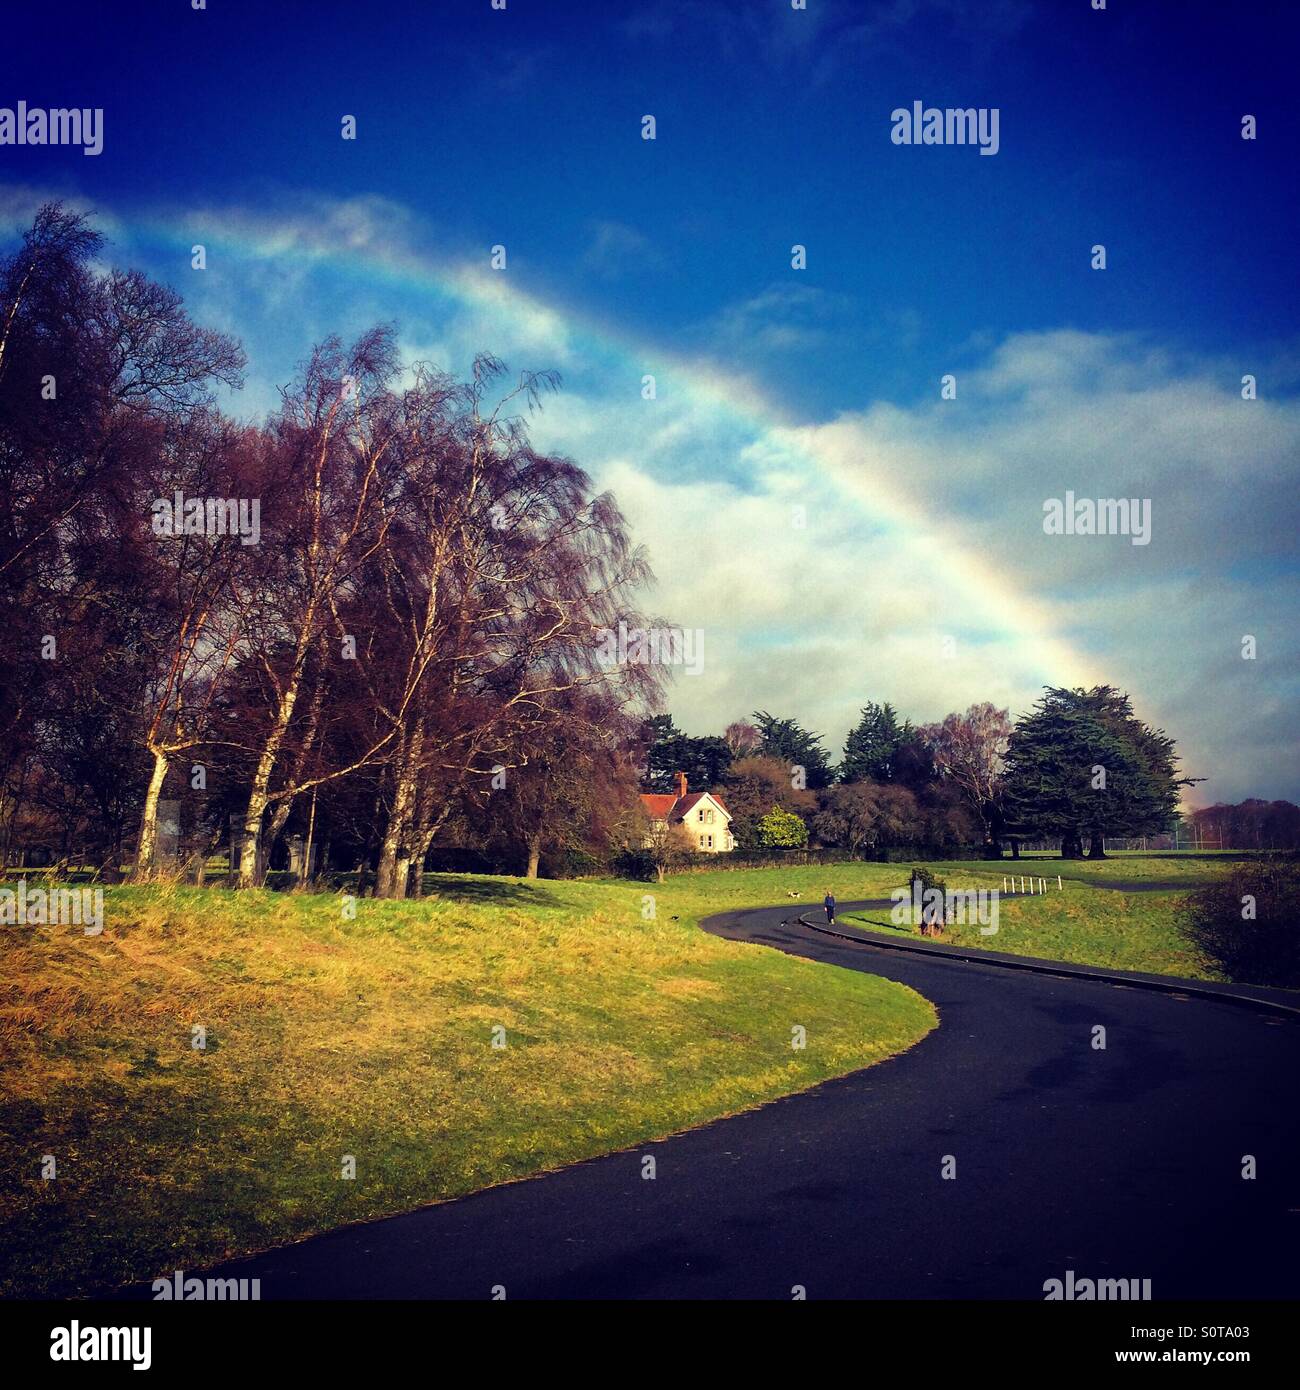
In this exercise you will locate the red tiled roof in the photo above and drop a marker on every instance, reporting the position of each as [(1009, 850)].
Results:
[(667, 806)]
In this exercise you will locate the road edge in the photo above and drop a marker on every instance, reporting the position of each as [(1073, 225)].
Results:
[(1062, 969)]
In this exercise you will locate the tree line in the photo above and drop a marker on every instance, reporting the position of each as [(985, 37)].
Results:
[(1249, 824), (1080, 767)]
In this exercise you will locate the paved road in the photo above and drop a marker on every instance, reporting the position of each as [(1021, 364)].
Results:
[(1123, 1163)]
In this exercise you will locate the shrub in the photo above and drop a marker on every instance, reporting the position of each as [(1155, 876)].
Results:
[(927, 879), (921, 880), (1248, 923), (634, 863), (572, 863), (782, 829)]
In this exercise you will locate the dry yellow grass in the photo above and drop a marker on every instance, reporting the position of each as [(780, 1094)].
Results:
[(373, 1037)]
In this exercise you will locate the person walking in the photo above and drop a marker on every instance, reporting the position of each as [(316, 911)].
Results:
[(829, 905)]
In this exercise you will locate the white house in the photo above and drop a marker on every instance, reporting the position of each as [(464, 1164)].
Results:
[(701, 814)]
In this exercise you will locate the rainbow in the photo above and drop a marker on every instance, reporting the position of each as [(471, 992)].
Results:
[(357, 241)]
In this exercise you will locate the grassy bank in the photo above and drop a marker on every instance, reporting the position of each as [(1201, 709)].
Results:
[(1083, 921), (373, 1037), (1087, 926)]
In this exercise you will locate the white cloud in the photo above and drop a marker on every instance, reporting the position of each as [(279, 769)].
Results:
[(615, 249), (926, 523), (784, 317)]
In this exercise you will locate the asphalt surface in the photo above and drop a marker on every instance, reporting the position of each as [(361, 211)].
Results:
[(1116, 1163)]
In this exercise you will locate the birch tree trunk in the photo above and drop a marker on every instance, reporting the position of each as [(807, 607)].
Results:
[(395, 852), (250, 838), (285, 804), (147, 845), (421, 840)]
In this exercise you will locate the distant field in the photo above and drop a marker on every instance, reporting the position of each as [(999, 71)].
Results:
[(1193, 867), (715, 891), (373, 1038)]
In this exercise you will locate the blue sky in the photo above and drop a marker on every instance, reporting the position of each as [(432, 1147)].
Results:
[(838, 531)]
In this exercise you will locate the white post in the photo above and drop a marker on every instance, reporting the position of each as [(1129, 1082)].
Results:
[(1042, 885), (1004, 883), (1058, 883), (1022, 883)]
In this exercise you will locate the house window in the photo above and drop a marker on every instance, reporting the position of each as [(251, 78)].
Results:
[(701, 813), (701, 841), (710, 817), (710, 840)]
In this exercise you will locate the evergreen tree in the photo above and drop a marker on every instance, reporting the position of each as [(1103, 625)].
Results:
[(705, 761), (790, 743), (1148, 803), (872, 750), (1082, 764)]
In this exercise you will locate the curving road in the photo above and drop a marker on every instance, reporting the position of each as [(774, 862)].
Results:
[(1122, 1163)]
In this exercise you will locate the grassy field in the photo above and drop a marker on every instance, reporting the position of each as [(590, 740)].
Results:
[(373, 1037), (1127, 865), (1089, 925), (1083, 921)]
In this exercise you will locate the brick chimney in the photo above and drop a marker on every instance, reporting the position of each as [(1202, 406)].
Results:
[(681, 784)]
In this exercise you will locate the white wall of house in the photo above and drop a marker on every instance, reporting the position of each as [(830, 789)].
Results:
[(709, 827), (707, 823)]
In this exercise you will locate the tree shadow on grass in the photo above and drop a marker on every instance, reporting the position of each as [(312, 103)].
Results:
[(498, 892)]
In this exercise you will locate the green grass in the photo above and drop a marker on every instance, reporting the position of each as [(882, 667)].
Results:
[(1135, 864), (1174, 868), (372, 1037), (1087, 926), (1081, 922)]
